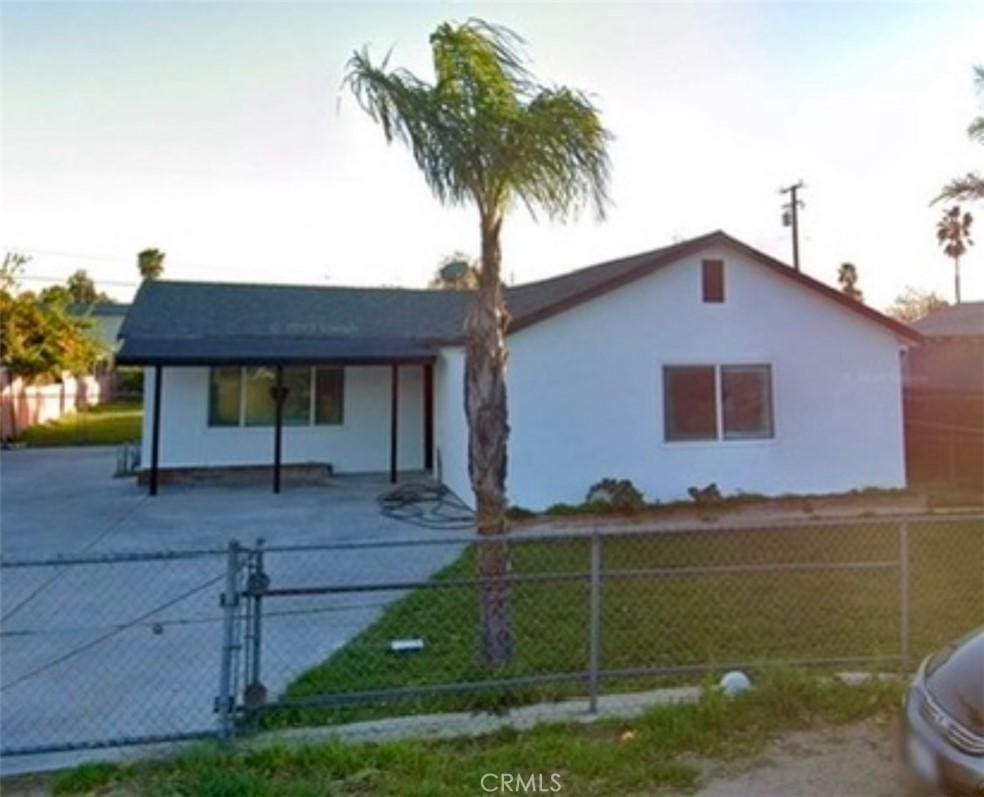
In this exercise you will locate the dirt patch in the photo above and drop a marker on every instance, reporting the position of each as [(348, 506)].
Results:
[(852, 761)]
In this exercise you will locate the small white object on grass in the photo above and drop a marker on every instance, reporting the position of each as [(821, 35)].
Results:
[(734, 683), (406, 645)]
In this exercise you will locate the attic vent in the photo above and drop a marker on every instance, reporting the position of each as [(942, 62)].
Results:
[(713, 280)]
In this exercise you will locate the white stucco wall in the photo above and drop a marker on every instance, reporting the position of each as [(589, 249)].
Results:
[(586, 397), (450, 425), (360, 444)]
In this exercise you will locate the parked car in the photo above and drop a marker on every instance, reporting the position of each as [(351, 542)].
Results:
[(943, 726)]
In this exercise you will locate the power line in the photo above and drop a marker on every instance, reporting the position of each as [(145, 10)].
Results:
[(49, 278)]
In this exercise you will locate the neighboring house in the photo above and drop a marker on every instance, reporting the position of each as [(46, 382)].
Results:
[(705, 361), (106, 319), (944, 398)]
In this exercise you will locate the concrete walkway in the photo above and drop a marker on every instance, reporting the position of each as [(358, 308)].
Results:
[(118, 650)]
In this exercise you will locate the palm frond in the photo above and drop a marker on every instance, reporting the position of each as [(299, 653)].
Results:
[(484, 131), (976, 130), (962, 189), (409, 111), (561, 161)]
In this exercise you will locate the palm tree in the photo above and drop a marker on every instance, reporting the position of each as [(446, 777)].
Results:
[(953, 234), (150, 263), (847, 276), (970, 187), (485, 133)]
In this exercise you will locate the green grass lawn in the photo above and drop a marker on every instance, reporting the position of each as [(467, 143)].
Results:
[(653, 752), (102, 425), (660, 622)]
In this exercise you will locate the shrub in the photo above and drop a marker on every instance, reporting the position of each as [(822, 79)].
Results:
[(519, 513), (620, 495)]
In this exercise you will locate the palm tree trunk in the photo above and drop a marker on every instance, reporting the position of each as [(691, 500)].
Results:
[(956, 278), (488, 431)]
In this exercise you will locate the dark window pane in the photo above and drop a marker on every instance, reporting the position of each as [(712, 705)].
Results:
[(329, 395), (688, 402), (713, 280), (260, 408), (297, 404), (223, 396), (746, 400)]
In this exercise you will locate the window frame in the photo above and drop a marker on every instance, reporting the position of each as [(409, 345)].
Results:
[(769, 403), (241, 416), (210, 405), (667, 405), (720, 434), (314, 396)]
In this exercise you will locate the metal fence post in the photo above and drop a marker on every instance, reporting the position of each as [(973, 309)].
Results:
[(904, 654), (594, 622), (255, 693), (225, 703)]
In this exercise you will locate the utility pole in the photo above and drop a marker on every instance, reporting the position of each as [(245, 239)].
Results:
[(790, 217)]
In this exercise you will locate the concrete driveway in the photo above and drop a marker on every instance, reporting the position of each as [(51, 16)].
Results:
[(124, 649)]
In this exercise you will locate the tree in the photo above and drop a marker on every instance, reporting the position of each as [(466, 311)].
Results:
[(913, 304), (953, 234), (10, 270), (83, 290), (39, 341), (56, 294), (486, 134), (970, 187), (847, 276), (150, 264), (455, 273)]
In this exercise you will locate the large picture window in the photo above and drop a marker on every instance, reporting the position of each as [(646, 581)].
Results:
[(709, 402), (257, 398), (224, 389), (329, 395), (244, 396)]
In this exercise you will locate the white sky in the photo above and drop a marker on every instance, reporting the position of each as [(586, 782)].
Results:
[(215, 133)]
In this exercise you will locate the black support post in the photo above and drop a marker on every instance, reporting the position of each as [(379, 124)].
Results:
[(428, 417), (394, 412), (155, 439), (278, 428)]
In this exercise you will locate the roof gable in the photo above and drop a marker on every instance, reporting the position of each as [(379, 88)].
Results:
[(198, 322), (534, 302)]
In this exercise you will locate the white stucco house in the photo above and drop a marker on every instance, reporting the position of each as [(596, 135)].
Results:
[(705, 361)]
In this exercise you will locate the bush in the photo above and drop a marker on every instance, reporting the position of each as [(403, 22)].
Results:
[(621, 495), (519, 513)]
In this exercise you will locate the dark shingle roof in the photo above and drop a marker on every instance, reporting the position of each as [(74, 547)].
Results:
[(198, 323), (174, 322), (109, 309), (958, 321)]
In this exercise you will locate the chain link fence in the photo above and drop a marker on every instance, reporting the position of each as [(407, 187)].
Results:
[(109, 650), (587, 613), (116, 650)]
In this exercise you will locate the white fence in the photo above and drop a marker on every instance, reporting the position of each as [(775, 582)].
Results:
[(24, 405)]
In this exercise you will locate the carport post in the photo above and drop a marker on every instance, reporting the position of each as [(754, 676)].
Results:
[(394, 409), (428, 417), (278, 429), (155, 438)]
